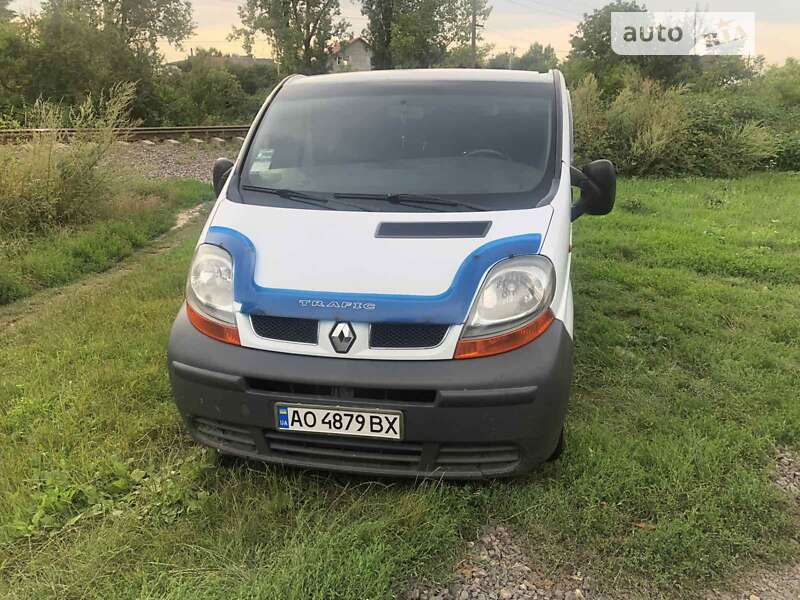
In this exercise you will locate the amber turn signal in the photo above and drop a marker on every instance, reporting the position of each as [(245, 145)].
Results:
[(213, 329), (507, 341)]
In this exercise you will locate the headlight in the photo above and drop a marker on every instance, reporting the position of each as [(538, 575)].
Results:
[(515, 292), (209, 288)]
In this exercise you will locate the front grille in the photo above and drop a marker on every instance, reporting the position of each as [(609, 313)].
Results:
[(289, 388), (451, 459), (224, 434), (488, 458), (406, 335), (370, 455), (381, 335), (287, 329), (325, 450)]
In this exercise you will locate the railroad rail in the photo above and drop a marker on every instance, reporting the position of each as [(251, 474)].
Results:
[(139, 133)]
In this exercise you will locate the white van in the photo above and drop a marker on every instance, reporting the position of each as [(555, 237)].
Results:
[(383, 285)]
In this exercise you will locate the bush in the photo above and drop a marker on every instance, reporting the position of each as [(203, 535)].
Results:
[(784, 82), (788, 155), (206, 94), (724, 141), (53, 181), (649, 129), (740, 149)]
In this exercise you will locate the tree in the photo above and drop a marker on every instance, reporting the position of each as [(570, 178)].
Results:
[(462, 57), (62, 54), (205, 94), (256, 77), (415, 40), (537, 58), (142, 23), (424, 30), (592, 53), (378, 33), (713, 72), (781, 85), (15, 49), (591, 48), (504, 60), (65, 62), (300, 31), (6, 14)]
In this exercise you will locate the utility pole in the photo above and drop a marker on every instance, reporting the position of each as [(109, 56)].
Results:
[(474, 33)]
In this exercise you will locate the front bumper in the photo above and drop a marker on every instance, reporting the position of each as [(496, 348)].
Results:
[(463, 419)]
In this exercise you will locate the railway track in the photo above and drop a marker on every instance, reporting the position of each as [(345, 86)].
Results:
[(139, 133)]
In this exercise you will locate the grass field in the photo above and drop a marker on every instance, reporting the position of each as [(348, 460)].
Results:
[(687, 373), (144, 211)]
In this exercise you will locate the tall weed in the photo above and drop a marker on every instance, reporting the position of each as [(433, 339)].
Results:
[(648, 128), (590, 120), (53, 179)]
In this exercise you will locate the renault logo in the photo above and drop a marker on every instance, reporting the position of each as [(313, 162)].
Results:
[(342, 337)]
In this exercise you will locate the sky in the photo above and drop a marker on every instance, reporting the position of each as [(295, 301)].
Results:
[(513, 23)]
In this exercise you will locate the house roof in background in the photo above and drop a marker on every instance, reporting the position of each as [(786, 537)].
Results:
[(339, 46)]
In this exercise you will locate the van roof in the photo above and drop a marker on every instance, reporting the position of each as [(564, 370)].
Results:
[(423, 76)]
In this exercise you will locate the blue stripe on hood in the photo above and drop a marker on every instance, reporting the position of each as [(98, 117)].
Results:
[(447, 308)]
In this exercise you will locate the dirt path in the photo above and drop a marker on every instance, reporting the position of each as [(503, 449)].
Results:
[(12, 313), (187, 215), (769, 585), (186, 159)]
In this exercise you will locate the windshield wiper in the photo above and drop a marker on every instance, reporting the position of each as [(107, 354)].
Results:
[(299, 196), (411, 200), (291, 195)]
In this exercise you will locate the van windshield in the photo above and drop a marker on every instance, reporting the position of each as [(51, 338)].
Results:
[(489, 144)]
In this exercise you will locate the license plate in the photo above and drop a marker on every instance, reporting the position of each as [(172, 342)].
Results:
[(340, 421)]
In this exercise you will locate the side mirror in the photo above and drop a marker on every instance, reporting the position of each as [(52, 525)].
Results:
[(598, 184), (220, 172)]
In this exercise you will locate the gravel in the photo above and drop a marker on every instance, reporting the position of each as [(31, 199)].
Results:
[(169, 159), (497, 568)]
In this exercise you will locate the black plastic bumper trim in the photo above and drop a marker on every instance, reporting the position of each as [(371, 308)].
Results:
[(514, 400), (495, 397), (214, 378)]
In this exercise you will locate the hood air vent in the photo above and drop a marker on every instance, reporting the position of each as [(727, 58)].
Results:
[(438, 229)]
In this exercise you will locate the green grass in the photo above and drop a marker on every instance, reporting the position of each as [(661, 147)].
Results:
[(687, 371), (62, 255)]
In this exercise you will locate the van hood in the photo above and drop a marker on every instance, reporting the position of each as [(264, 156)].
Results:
[(337, 256), (339, 251)]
